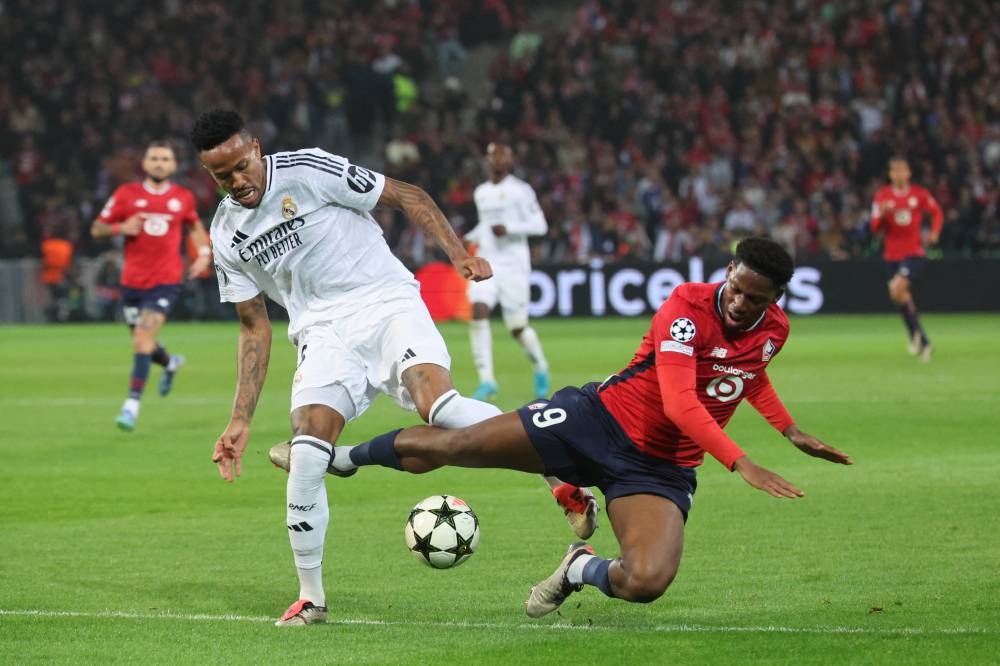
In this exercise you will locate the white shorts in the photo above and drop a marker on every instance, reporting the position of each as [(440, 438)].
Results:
[(511, 288), (346, 363)]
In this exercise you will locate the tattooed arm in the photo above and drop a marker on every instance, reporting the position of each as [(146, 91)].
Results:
[(419, 207), (253, 353)]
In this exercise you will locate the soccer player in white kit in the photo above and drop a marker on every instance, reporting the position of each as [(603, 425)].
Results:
[(508, 213), (296, 227)]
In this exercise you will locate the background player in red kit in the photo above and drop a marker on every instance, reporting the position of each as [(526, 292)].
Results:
[(640, 435), (151, 214), (898, 212)]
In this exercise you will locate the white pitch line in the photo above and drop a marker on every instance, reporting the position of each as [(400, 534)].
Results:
[(666, 628)]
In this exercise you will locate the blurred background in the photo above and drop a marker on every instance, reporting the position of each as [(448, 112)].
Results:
[(656, 133)]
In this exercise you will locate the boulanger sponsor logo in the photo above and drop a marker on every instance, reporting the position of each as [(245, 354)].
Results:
[(733, 370), (360, 179), (682, 329), (631, 291)]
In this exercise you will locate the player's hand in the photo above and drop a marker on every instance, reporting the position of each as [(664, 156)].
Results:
[(932, 238), (474, 268), (814, 447), (765, 479), (499, 230), (198, 266), (229, 449), (132, 225)]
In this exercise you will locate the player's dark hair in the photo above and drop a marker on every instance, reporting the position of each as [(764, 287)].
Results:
[(161, 143), (898, 157), (215, 126), (766, 257)]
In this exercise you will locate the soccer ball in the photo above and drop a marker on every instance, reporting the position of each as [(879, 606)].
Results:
[(442, 531)]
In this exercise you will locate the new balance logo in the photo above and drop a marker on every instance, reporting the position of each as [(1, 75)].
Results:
[(238, 238), (301, 527), (407, 356), (718, 352)]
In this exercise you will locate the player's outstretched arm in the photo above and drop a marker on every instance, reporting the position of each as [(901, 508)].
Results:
[(200, 238), (254, 352), (814, 447), (764, 479), (419, 207)]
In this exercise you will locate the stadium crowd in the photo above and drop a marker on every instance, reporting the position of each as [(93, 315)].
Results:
[(650, 130)]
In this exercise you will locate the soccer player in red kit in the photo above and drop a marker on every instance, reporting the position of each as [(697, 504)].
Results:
[(898, 213), (639, 435), (151, 215)]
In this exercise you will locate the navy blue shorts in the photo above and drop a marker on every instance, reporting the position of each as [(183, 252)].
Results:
[(581, 443), (160, 298), (909, 267)]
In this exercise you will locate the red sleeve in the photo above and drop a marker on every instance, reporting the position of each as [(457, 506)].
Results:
[(192, 210), (116, 207), (937, 215), (676, 371), (767, 403)]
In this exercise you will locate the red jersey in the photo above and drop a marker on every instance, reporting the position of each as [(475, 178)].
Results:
[(689, 375), (154, 256), (904, 214)]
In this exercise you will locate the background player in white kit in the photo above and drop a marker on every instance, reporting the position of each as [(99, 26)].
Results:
[(296, 227), (508, 213)]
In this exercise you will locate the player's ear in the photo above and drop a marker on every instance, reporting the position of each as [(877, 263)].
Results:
[(255, 142)]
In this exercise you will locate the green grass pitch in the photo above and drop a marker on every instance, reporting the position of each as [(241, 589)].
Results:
[(129, 548)]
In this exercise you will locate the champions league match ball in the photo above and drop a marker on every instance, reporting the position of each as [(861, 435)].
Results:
[(442, 531)]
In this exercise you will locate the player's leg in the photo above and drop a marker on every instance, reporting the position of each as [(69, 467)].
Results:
[(514, 293), (145, 326), (901, 293), (328, 390), (650, 531), (499, 442), (315, 428), (483, 297)]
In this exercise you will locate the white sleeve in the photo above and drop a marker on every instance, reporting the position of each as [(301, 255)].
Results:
[(530, 220), (346, 184), (235, 285)]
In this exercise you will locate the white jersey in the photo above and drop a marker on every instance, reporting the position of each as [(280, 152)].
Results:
[(310, 245), (512, 203)]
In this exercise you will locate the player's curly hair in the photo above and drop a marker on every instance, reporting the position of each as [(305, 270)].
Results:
[(766, 257), (215, 126)]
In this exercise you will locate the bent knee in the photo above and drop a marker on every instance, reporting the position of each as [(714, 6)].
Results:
[(646, 586)]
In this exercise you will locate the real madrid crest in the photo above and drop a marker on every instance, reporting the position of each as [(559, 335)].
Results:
[(288, 208)]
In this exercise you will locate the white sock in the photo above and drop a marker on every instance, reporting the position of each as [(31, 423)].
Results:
[(481, 339), (575, 572), (453, 410), (342, 458), (533, 349), (132, 405), (308, 513)]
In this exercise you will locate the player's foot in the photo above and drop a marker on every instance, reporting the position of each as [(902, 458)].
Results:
[(486, 391), (167, 378), (301, 613), (916, 343), (549, 594), (126, 420), (542, 384), (280, 456), (580, 508), (925, 352)]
